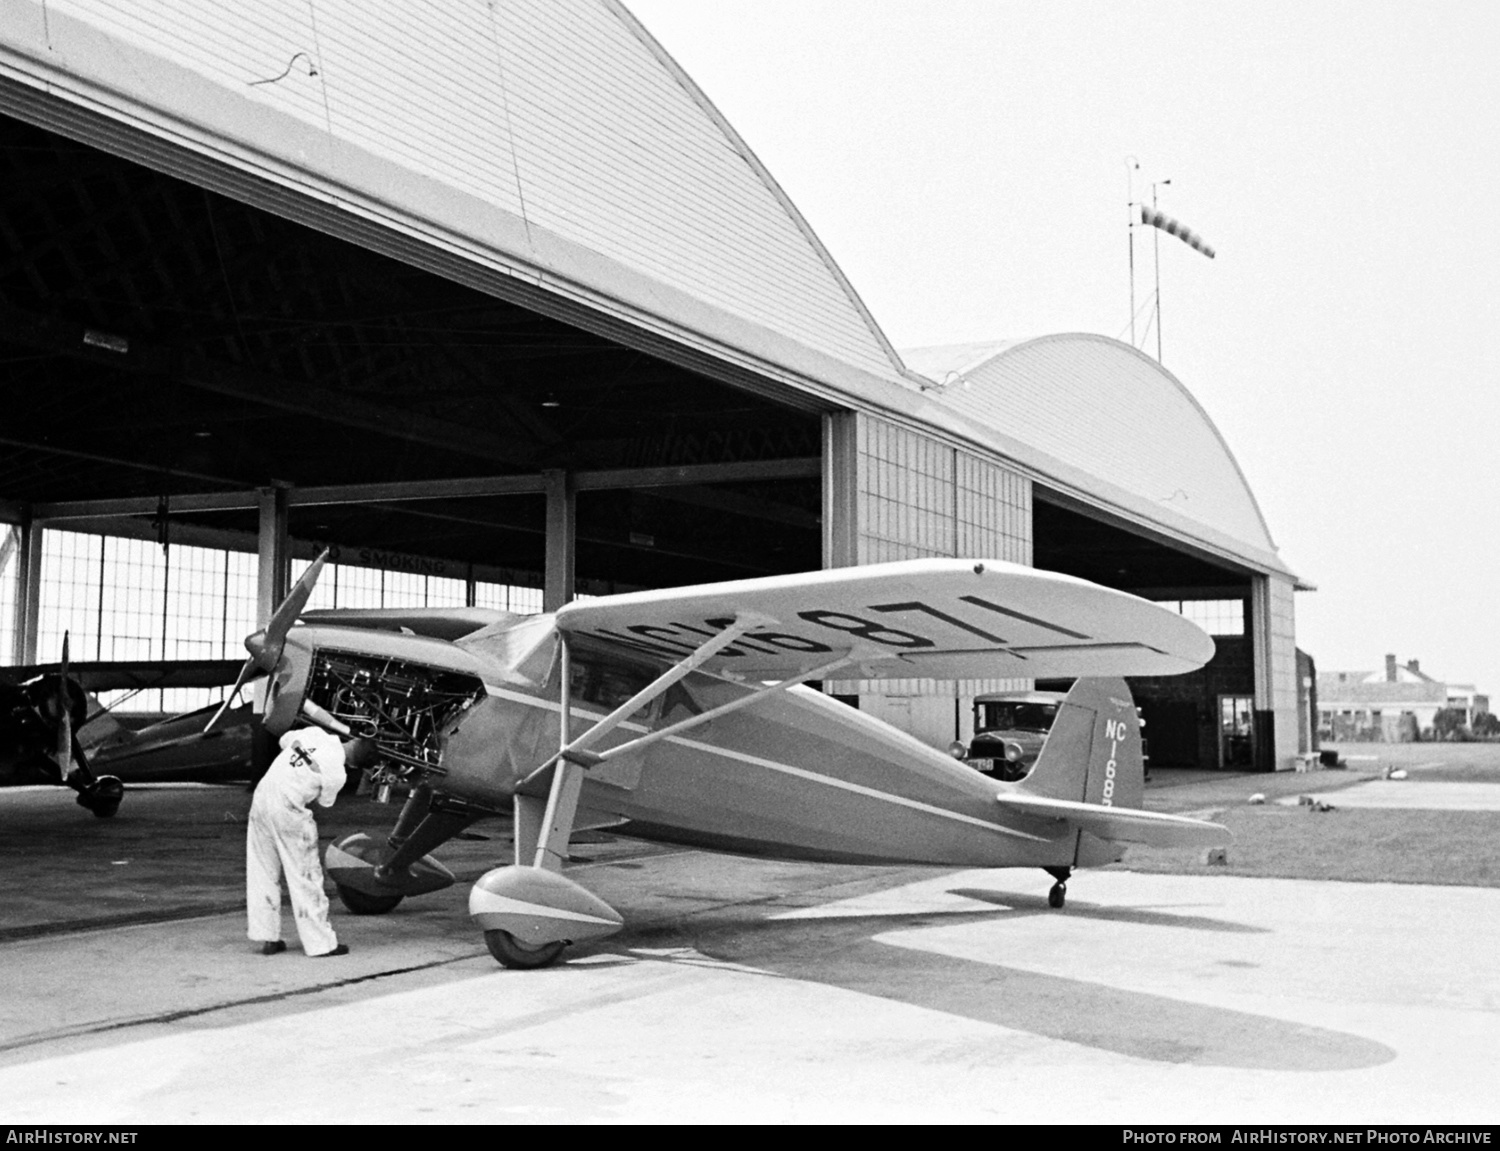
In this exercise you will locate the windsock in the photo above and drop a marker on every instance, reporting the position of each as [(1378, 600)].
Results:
[(1175, 228)]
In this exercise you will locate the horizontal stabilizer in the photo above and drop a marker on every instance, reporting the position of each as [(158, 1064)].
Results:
[(1124, 825)]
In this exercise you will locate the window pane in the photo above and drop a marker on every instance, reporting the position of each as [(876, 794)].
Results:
[(1215, 616), (444, 592), (70, 595)]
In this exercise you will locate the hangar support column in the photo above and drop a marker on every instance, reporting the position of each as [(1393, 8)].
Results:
[(28, 590), (840, 489), (562, 532), (274, 552), (1273, 637)]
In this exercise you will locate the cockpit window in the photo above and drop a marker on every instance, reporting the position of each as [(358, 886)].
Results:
[(605, 684)]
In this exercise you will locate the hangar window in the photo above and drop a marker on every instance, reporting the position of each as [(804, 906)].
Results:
[(405, 589), (507, 597), (120, 598), (445, 592), (123, 599), (347, 586), (1215, 616), (72, 581)]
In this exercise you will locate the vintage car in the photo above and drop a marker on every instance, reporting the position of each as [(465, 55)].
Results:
[(1009, 731)]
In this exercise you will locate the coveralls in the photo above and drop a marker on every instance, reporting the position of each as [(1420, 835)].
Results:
[(283, 838)]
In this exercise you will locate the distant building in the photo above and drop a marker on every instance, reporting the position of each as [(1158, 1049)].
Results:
[(1391, 706)]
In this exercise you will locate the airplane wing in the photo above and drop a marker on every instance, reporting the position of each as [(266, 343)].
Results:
[(935, 618), (1127, 825), (113, 675)]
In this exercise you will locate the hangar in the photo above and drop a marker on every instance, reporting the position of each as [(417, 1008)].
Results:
[(495, 302)]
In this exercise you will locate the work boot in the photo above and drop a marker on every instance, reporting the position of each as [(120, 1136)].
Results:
[(341, 949), (275, 947)]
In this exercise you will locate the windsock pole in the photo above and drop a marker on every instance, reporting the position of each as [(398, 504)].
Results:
[(1165, 223)]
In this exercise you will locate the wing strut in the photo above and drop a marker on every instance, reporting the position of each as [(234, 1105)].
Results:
[(530, 911), (541, 836), (570, 749), (755, 696)]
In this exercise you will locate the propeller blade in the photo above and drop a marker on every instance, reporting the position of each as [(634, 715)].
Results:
[(246, 670), (64, 719), (265, 647)]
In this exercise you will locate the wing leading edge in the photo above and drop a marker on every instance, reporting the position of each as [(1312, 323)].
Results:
[(939, 619)]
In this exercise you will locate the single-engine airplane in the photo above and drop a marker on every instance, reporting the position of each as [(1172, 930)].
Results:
[(677, 716), (38, 719), (93, 753)]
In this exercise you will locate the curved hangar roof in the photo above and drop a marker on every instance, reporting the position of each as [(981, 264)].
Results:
[(551, 152), (1111, 423), (545, 149)]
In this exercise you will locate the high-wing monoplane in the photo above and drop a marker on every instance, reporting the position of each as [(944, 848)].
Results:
[(677, 716)]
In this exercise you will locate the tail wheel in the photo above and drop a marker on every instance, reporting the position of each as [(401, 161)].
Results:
[(363, 903), (1058, 894), (511, 952)]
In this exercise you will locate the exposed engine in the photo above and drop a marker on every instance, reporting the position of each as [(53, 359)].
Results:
[(401, 705)]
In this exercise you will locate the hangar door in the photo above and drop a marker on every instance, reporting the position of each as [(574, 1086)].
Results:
[(895, 493)]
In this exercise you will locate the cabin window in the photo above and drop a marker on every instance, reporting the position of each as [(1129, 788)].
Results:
[(604, 684)]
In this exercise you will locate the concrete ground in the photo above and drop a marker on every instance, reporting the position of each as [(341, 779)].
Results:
[(741, 990)]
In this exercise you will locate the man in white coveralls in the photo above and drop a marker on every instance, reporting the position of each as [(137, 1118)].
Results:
[(283, 839)]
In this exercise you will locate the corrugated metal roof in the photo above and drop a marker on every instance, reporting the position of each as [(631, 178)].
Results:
[(1099, 405), (579, 146)]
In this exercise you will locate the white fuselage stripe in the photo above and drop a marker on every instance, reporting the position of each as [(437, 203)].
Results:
[(788, 769)]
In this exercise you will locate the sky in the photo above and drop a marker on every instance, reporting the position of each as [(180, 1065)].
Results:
[(965, 162)]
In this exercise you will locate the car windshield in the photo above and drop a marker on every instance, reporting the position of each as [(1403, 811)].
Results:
[(1003, 716)]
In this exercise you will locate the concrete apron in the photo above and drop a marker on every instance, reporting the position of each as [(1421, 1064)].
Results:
[(747, 991)]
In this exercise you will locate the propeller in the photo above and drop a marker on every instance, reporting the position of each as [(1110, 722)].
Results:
[(101, 794), (265, 647)]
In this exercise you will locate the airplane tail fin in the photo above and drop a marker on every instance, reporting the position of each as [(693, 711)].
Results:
[(1091, 775), (1093, 752)]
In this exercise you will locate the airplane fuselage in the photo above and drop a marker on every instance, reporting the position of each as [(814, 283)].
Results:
[(798, 776)]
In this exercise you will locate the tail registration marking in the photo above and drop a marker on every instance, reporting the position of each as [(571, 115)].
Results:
[(1114, 730)]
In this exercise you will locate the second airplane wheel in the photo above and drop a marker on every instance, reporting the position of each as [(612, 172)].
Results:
[(362, 903), (1057, 895), (511, 952)]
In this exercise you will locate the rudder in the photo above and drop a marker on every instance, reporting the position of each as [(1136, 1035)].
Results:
[(1093, 752)]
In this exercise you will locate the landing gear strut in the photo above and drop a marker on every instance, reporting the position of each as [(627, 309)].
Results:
[(1059, 893)]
